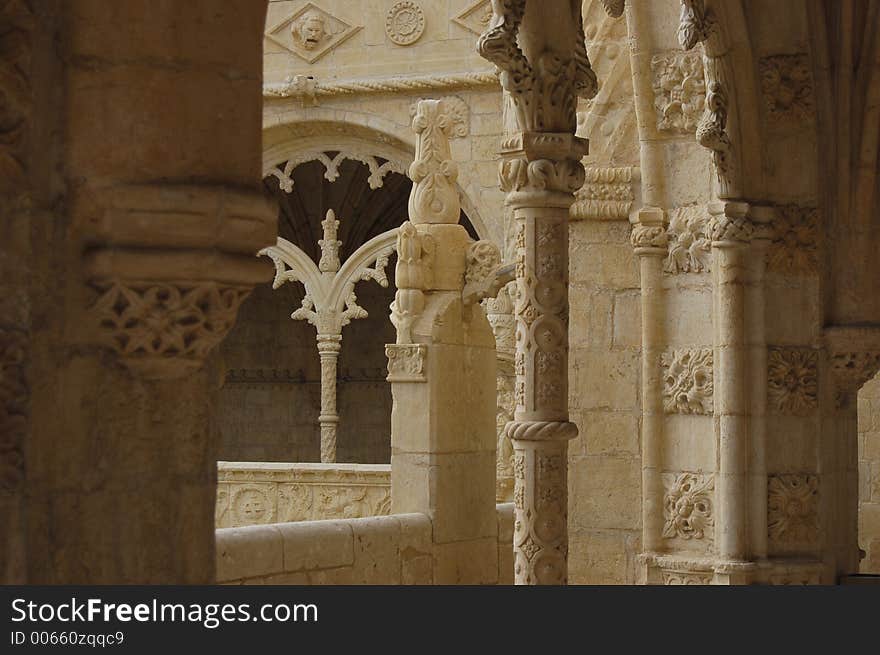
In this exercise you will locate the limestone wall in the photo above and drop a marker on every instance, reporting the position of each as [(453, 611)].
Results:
[(254, 493), (869, 475), (393, 549)]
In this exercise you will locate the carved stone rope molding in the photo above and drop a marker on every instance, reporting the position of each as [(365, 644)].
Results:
[(310, 90)]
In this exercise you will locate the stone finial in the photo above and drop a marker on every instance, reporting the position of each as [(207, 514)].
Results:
[(434, 198), (329, 244)]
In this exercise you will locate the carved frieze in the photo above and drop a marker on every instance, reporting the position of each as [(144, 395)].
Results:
[(378, 168), (607, 193), (688, 381), (152, 324), (259, 493), (687, 577), (787, 87), (689, 244), (405, 22), (310, 33), (792, 384), (688, 505), (679, 91), (793, 509)]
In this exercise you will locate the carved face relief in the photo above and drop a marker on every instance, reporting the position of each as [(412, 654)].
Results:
[(688, 383), (309, 30)]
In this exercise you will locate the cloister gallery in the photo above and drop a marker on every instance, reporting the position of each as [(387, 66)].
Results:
[(460, 292)]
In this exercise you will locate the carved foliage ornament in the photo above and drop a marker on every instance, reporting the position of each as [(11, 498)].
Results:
[(688, 506), (405, 23), (544, 91), (687, 381), (795, 240), (13, 407), (689, 244), (787, 86), (792, 384), (793, 508), (679, 91), (146, 320), (434, 197)]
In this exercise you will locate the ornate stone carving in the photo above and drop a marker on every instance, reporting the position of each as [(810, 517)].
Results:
[(607, 194), (795, 247), (687, 578), (476, 17), (313, 90), (726, 228), (310, 33), (793, 508), (792, 385), (504, 447), (456, 111), (689, 244), (412, 272), (407, 362), (499, 311), (330, 302), (688, 505), (434, 198), (648, 236), (544, 91), (13, 408), (250, 493), (687, 381), (695, 23), (787, 87), (679, 91), (712, 130), (156, 327), (378, 169), (484, 274), (329, 245), (405, 22)]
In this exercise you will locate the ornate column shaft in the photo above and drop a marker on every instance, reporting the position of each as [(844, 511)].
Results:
[(328, 350), (731, 232), (540, 49), (649, 240)]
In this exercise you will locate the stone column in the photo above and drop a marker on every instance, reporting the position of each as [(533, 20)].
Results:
[(649, 240), (328, 351), (539, 48), (731, 232), (499, 311), (139, 272)]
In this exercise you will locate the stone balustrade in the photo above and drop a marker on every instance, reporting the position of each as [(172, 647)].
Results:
[(257, 493), (395, 549)]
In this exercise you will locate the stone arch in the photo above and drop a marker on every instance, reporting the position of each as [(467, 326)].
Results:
[(361, 135)]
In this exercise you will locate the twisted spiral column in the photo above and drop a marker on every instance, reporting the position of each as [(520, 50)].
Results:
[(328, 349)]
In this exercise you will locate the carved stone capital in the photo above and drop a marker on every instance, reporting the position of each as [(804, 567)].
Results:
[(541, 163), (544, 82), (649, 236), (729, 224), (170, 265)]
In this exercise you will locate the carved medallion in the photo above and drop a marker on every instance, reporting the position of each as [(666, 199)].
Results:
[(405, 23)]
